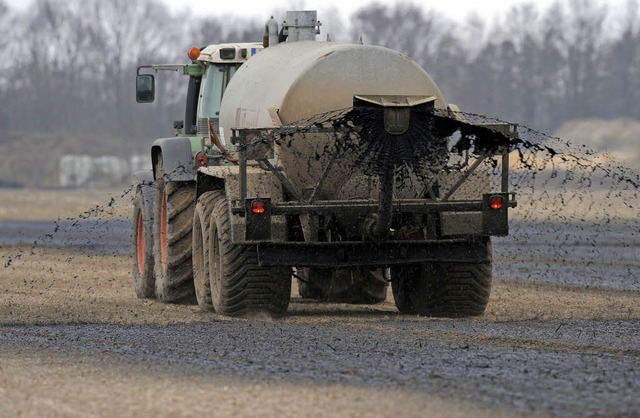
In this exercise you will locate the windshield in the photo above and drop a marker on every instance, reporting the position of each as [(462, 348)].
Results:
[(214, 84)]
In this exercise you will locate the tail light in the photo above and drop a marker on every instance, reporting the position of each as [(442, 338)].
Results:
[(201, 159), (258, 218), (495, 213), (496, 202), (257, 207)]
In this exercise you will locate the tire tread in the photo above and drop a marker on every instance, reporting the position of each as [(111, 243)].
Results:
[(175, 284), (246, 288)]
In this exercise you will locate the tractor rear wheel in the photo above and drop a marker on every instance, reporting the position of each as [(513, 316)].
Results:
[(173, 219), (142, 242), (200, 248), (449, 290), (239, 286), (310, 282)]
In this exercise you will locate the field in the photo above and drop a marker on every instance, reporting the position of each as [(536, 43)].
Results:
[(50, 204), (75, 341)]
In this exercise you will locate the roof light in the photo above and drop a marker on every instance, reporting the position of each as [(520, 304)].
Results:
[(194, 53), (227, 53)]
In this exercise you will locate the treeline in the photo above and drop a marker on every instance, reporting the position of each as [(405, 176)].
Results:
[(576, 59), (68, 65)]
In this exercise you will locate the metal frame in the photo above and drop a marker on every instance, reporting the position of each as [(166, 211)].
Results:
[(303, 205), (370, 254)]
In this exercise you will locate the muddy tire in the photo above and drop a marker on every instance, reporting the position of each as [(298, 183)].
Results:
[(356, 286), (142, 242), (200, 248), (312, 283), (173, 219), (450, 290), (239, 286)]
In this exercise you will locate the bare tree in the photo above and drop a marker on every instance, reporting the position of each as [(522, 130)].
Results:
[(405, 27), (429, 38), (623, 69), (4, 66), (122, 35), (71, 63), (581, 45), (221, 29), (77, 75)]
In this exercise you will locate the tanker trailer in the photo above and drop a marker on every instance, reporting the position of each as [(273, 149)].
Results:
[(339, 164)]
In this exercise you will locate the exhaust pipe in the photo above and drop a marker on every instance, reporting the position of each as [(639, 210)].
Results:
[(271, 36)]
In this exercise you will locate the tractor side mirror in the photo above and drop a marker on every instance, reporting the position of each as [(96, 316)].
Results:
[(145, 88)]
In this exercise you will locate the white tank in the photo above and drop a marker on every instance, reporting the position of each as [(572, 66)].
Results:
[(303, 79)]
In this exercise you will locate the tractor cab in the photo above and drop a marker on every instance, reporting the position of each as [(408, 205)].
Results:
[(209, 73), (219, 63)]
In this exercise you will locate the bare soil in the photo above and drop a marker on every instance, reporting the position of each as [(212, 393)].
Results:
[(75, 341), (31, 204), (61, 286)]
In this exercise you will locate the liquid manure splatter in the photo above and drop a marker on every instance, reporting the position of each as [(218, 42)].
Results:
[(576, 222)]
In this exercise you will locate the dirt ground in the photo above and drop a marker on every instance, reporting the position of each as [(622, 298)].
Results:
[(75, 341), (31, 204), (44, 374), (61, 286)]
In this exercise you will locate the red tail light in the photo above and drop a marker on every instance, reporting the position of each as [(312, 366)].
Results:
[(201, 159), (257, 207), (496, 202)]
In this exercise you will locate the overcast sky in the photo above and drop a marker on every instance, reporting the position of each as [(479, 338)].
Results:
[(456, 9)]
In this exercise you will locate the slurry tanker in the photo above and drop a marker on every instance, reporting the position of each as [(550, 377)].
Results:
[(338, 165)]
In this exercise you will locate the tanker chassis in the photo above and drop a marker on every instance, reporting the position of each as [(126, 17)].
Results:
[(326, 162)]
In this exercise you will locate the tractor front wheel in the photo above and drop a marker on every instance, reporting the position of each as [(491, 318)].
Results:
[(142, 242), (172, 222)]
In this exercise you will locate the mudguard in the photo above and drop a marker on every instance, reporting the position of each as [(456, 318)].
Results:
[(260, 184), (177, 158), (144, 177)]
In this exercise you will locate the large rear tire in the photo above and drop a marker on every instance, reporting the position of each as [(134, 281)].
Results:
[(200, 248), (173, 220), (311, 282), (239, 286), (451, 290), (142, 242), (356, 286)]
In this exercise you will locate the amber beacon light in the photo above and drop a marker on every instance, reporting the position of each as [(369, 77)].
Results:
[(194, 53)]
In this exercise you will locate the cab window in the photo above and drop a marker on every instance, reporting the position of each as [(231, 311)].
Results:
[(215, 82)]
